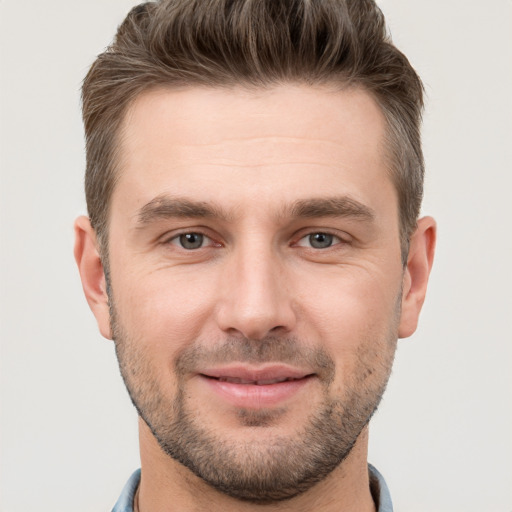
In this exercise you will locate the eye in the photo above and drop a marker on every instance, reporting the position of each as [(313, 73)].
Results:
[(319, 240), (191, 241)]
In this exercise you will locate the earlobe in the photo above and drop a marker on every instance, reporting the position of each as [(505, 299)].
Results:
[(89, 263), (419, 264)]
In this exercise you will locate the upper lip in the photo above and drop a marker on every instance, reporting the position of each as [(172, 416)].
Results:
[(269, 374)]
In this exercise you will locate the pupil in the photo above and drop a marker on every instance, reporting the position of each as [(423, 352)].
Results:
[(320, 240), (191, 240)]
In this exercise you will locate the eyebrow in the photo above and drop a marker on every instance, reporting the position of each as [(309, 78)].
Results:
[(343, 206), (165, 207)]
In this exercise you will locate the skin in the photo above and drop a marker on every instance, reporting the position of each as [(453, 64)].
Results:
[(251, 157)]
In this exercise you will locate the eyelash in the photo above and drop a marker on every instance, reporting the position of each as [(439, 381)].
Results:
[(176, 239), (332, 240)]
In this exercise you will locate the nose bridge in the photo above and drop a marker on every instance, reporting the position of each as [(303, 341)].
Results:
[(256, 299)]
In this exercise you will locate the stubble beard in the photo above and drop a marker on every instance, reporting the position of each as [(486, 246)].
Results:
[(275, 467)]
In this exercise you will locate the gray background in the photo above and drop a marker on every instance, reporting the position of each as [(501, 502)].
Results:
[(442, 436)]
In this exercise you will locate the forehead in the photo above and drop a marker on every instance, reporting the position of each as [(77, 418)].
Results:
[(205, 115), (287, 101), (282, 143)]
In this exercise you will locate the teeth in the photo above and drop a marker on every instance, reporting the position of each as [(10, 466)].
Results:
[(271, 381), (236, 380)]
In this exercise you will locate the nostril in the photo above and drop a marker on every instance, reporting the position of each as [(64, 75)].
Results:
[(277, 329)]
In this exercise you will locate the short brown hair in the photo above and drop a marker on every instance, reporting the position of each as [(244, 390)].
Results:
[(254, 43)]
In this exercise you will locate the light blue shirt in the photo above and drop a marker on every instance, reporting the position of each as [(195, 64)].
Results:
[(379, 489)]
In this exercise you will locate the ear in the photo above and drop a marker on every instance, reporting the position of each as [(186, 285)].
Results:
[(89, 263), (419, 263)]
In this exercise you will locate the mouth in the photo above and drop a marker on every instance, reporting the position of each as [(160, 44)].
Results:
[(262, 382), (256, 387), (260, 376)]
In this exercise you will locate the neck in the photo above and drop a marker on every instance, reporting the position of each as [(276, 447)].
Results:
[(168, 485)]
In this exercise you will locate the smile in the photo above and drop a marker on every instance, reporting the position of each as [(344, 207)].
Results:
[(266, 382), (256, 388)]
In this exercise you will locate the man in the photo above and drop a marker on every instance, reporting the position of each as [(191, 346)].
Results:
[(254, 179)]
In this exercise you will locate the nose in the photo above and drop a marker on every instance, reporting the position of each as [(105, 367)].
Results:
[(256, 299)]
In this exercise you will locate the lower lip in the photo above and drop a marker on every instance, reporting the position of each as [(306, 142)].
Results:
[(256, 397)]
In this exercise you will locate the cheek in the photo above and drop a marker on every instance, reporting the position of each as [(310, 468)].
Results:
[(355, 318), (157, 318), (164, 309)]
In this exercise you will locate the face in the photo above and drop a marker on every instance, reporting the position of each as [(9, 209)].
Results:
[(255, 279)]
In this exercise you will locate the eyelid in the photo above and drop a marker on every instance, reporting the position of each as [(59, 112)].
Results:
[(340, 238), (173, 238)]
